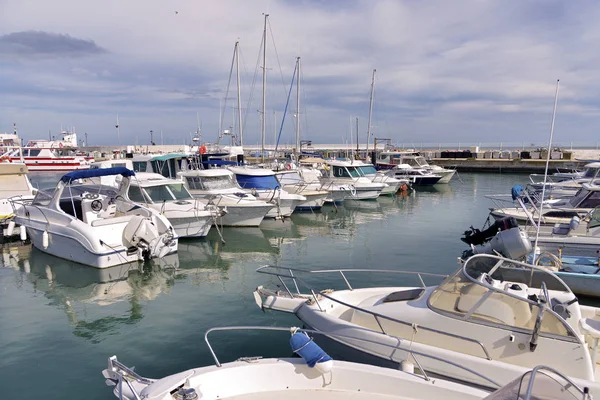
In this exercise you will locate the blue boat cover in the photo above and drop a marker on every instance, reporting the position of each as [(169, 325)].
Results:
[(219, 162), (516, 191), (92, 173), (268, 182), (307, 349)]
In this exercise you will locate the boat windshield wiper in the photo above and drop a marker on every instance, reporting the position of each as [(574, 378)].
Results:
[(542, 303)]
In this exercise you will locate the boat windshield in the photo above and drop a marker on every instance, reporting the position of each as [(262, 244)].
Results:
[(585, 199), (290, 178), (491, 290), (544, 385), (210, 182), (591, 172), (172, 191), (367, 170), (354, 172), (43, 197), (421, 161)]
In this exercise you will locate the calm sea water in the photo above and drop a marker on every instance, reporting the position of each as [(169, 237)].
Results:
[(59, 321)]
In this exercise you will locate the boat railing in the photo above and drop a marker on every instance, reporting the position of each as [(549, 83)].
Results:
[(314, 295), (394, 347), (552, 374)]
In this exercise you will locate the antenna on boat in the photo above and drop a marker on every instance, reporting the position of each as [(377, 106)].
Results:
[(537, 232)]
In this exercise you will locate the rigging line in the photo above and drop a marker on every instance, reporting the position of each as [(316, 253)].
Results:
[(246, 76), (277, 55), (226, 95), (286, 107), (253, 85)]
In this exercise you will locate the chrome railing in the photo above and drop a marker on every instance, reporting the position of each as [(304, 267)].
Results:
[(565, 387), (377, 316), (412, 352)]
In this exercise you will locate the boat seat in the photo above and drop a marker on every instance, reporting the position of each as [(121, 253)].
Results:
[(403, 295), (497, 307), (590, 327), (110, 221), (561, 229)]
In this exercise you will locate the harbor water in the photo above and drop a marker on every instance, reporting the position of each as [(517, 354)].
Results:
[(60, 321)]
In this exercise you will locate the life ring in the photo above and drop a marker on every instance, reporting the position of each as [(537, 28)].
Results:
[(60, 145), (4, 158), (288, 166), (202, 149)]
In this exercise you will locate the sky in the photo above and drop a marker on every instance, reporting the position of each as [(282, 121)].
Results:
[(446, 71)]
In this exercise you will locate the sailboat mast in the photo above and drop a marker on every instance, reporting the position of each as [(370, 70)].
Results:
[(239, 97), (357, 149), (370, 110), (298, 106), (264, 91), (118, 131)]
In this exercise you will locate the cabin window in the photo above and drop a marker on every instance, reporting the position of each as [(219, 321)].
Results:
[(368, 170), (179, 191), (194, 182), (34, 152), (217, 182), (158, 194), (140, 166), (135, 194)]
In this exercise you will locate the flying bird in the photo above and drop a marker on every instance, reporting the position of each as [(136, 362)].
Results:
[(176, 12)]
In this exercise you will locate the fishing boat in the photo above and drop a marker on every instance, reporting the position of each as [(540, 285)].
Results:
[(92, 224), (292, 182), (218, 185), (525, 206), (263, 184), (389, 159), (393, 184), (313, 175), (316, 375), (416, 176), (190, 217), (565, 184), (496, 316), (345, 173), (50, 155)]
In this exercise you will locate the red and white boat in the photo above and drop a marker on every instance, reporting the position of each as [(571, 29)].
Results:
[(48, 155)]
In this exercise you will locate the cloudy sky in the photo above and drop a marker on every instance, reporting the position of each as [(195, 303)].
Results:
[(447, 71)]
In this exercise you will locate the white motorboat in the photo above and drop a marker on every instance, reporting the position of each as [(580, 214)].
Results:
[(92, 224), (417, 176), (190, 217), (313, 176), (219, 186), (525, 207), (347, 174), (263, 184), (292, 182), (389, 159), (317, 376), (562, 184), (497, 316), (393, 184)]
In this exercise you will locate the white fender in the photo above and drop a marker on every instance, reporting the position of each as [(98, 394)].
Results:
[(23, 233), (44, 239), (11, 228)]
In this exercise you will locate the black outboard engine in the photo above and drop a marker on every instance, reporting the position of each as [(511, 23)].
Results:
[(478, 237)]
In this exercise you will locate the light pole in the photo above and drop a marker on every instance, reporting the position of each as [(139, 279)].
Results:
[(151, 137)]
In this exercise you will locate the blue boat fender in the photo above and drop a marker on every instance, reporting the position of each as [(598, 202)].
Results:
[(310, 352)]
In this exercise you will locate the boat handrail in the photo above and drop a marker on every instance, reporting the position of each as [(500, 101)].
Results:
[(411, 351), (541, 369), (376, 315), (341, 271)]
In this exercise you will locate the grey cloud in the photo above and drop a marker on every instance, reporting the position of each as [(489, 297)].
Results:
[(46, 44)]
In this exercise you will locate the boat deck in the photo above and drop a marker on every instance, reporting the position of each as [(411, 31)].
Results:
[(321, 394)]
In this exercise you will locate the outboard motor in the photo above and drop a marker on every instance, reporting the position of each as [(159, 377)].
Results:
[(477, 237), (512, 243)]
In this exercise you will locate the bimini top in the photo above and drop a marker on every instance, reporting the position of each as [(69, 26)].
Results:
[(93, 173)]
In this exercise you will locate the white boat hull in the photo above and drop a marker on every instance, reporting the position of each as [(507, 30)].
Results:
[(363, 194), (243, 215), (446, 175), (314, 201), (581, 284), (191, 227), (65, 246)]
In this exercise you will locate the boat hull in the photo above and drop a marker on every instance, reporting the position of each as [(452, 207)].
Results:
[(446, 175), (314, 201), (64, 246), (243, 215), (191, 227)]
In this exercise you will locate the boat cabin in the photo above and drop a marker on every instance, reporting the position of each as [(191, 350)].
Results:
[(388, 159), (154, 188), (256, 178), (587, 197), (210, 181)]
